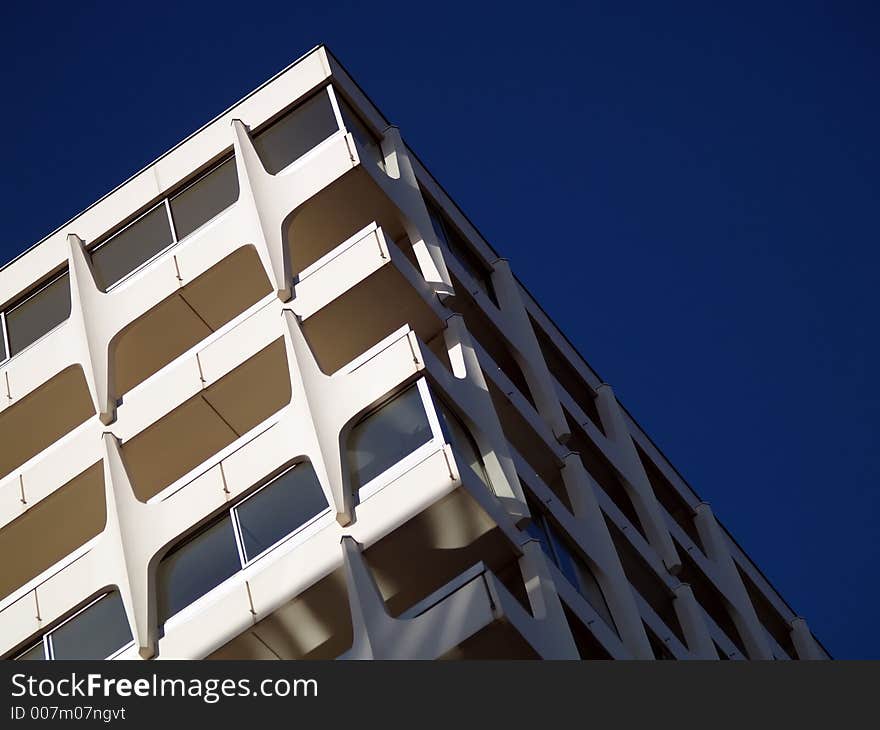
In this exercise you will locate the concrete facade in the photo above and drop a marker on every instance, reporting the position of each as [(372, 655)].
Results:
[(288, 298)]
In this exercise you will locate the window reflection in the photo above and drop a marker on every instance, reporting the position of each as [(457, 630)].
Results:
[(210, 195), (238, 536), (296, 133), (571, 565), (289, 501), (463, 442), (387, 435), (29, 320)]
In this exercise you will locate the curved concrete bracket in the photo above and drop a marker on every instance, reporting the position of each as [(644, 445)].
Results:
[(132, 553), (805, 643), (315, 414), (259, 196), (404, 189), (693, 625), (635, 479), (488, 434), (527, 352), (594, 536), (742, 612), (89, 315)]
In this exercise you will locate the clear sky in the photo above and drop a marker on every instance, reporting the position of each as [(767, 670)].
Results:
[(691, 192)]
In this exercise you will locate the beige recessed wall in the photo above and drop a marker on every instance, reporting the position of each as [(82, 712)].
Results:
[(208, 422), (43, 416), (188, 316), (52, 528), (337, 213)]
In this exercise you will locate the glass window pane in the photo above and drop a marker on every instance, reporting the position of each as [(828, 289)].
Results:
[(296, 133), (132, 247), (279, 508), (580, 576), (29, 321), (537, 529), (462, 251), (363, 136), (35, 653), (195, 567), (205, 198), (385, 437), (96, 633), (464, 444)]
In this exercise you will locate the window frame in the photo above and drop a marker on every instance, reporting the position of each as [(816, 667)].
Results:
[(227, 157), (396, 470), (471, 261), (292, 109), (45, 284), (236, 524), (442, 404), (46, 636), (162, 203), (554, 535), (358, 118), (291, 540), (4, 355)]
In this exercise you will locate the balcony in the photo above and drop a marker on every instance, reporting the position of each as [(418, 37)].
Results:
[(42, 416), (359, 293)]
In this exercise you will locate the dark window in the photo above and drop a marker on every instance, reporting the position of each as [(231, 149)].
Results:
[(205, 198), (279, 508), (296, 133), (192, 569), (462, 251), (98, 632), (463, 443), (388, 435), (571, 565), (38, 314), (131, 247), (204, 561), (363, 136)]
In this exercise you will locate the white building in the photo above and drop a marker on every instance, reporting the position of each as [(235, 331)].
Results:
[(275, 397)]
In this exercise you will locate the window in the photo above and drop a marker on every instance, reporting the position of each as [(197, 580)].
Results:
[(387, 435), (463, 443), (134, 245), (208, 196), (192, 569), (268, 515), (461, 249), (38, 313), (99, 631), (238, 537), (362, 134), (572, 566), (296, 132)]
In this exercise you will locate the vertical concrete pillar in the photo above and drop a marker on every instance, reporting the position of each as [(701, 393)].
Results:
[(417, 222), (635, 479), (256, 200), (545, 603), (527, 352), (693, 624), (489, 435), (127, 544), (739, 604), (90, 316), (804, 642), (596, 541), (318, 403)]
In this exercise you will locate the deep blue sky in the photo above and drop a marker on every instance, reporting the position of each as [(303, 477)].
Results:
[(691, 192)]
